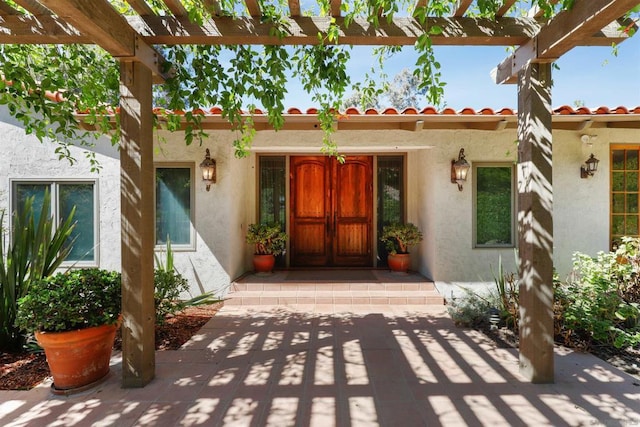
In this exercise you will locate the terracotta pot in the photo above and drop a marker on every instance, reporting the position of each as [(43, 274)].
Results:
[(399, 262), (263, 263), (78, 358)]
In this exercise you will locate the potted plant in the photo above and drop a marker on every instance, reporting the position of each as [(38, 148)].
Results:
[(74, 316), (398, 238), (270, 241)]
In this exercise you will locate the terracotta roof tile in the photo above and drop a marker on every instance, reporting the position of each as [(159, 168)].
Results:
[(294, 110), (371, 111), (448, 110), (390, 111), (467, 111), (429, 110), (352, 110), (565, 109), (487, 111), (583, 110), (410, 111)]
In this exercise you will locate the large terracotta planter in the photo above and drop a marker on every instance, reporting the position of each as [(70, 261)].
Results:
[(399, 262), (78, 358), (263, 263)]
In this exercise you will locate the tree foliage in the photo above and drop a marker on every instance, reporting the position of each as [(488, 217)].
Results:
[(255, 77)]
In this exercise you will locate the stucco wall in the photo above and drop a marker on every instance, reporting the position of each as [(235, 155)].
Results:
[(581, 206)]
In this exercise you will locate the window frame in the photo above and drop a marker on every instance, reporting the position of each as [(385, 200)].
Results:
[(514, 201), (53, 184), (191, 246), (617, 147)]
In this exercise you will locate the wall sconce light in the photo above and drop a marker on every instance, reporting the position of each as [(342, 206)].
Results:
[(208, 166), (590, 167), (459, 170)]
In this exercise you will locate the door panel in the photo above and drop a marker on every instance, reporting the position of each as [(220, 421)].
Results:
[(352, 200), (331, 211), (309, 207)]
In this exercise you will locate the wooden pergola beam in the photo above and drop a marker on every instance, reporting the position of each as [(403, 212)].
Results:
[(100, 22), (33, 7), (506, 5), (567, 30), (304, 30), (253, 8), (170, 30), (141, 7), (461, 8), (294, 8), (6, 10), (176, 7)]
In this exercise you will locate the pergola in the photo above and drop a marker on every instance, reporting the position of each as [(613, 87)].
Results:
[(131, 39)]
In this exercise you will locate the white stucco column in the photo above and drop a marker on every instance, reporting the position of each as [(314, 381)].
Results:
[(137, 184), (535, 223)]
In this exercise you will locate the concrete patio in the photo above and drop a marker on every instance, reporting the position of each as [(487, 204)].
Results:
[(348, 366)]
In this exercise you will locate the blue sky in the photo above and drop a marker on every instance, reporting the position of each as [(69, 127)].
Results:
[(592, 75)]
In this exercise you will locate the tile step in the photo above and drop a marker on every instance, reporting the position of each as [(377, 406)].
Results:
[(335, 297), (306, 286)]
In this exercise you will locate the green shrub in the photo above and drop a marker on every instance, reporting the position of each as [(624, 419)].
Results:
[(73, 300), (592, 302), (398, 238), (169, 284), (268, 239), (35, 252), (508, 293), (471, 309)]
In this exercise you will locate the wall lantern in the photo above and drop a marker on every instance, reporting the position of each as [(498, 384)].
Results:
[(459, 170), (208, 166), (590, 167)]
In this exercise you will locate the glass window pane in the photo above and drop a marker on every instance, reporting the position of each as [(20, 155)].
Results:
[(81, 197), (35, 190), (494, 205), (617, 160), (173, 205), (618, 181), (631, 228), (632, 160), (631, 181), (617, 225), (390, 203), (272, 190), (632, 203), (618, 203)]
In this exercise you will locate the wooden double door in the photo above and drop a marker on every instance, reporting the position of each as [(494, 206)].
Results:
[(331, 211)]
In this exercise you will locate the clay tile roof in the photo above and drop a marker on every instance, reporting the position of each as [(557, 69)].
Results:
[(506, 112), (583, 110), (370, 111), (294, 110), (215, 110), (602, 110), (487, 111), (621, 110), (352, 110), (636, 110), (390, 111), (564, 109), (199, 111), (410, 111), (448, 110), (257, 111), (429, 110), (467, 111)]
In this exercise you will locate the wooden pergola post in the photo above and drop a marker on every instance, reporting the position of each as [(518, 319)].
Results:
[(137, 189), (535, 222)]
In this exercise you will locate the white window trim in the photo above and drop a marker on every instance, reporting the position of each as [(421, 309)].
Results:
[(192, 194), (53, 191), (514, 201)]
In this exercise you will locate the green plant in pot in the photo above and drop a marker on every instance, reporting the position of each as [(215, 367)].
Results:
[(270, 241), (74, 316), (398, 238), (36, 248)]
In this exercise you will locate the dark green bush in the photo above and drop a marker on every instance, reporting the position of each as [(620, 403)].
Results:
[(69, 301), (593, 305)]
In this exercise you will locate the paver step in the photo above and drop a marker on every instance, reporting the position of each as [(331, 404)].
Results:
[(269, 297), (336, 286)]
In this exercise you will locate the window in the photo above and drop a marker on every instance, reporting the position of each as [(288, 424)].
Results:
[(174, 209), (624, 192), (272, 190), (494, 205), (65, 195), (390, 175)]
